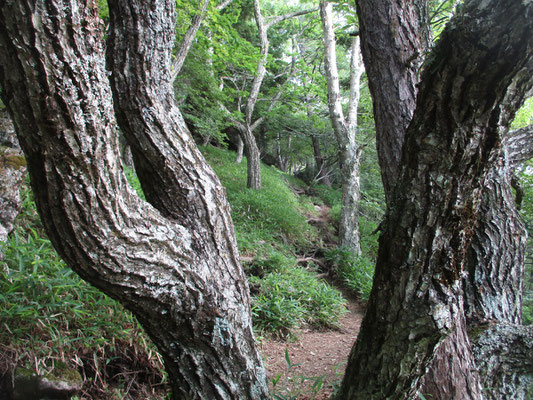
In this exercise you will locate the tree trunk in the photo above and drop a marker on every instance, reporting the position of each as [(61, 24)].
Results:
[(175, 267), (187, 41), (12, 174), (322, 176), (253, 158), (416, 300), (394, 37), (345, 130), (240, 150)]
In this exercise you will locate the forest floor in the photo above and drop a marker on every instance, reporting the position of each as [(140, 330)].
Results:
[(311, 364), (317, 358)]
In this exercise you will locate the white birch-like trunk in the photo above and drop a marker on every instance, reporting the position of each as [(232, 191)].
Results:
[(344, 129)]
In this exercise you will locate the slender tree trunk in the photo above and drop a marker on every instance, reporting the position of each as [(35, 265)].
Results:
[(253, 158), (240, 150), (187, 41), (416, 300), (175, 267), (322, 176), (345, 130)]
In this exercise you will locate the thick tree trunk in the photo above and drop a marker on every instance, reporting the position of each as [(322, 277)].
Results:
[(416, 301), (175, 267), (345, 130), (394, 37), (12, 174)]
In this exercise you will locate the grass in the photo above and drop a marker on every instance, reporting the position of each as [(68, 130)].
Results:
[(356, 272), (272, 214), (289, 296), (49, 316)]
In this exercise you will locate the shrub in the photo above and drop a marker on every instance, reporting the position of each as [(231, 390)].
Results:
[(292, 296), (356, 272)]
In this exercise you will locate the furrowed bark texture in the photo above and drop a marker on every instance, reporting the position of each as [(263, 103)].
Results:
[(416, 300), (495, 261), (503, 354), (344, 129), (175, 267), (394, 36), (12, 174)]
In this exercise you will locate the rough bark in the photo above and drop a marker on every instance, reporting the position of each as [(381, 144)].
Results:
[(483, 56), (12, 174), (519, 146), (503, 355), (174, 266), (495, 260), (344, 129), (394, 38)]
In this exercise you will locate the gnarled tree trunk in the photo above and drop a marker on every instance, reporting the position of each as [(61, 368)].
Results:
[(416, 300), (175, 266)]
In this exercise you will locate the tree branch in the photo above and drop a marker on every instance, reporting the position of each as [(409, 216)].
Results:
[(186, 43), (275, 20)]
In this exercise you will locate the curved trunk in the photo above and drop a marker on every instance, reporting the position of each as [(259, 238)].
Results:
[(175, 267), (416, 300)]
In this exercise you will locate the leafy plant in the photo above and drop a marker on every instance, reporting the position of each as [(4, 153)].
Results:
[(356, 272), (291, 297), (49, 315)]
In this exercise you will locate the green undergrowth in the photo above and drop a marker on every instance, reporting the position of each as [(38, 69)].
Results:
[(356, 272), (50, 316), (272, 215), (288, 296), (271, 227)]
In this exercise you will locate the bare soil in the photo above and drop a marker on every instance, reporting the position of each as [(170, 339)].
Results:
[(318, 358)]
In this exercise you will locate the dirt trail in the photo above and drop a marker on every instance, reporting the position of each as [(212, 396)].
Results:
[(314, 354), (318, 358)]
